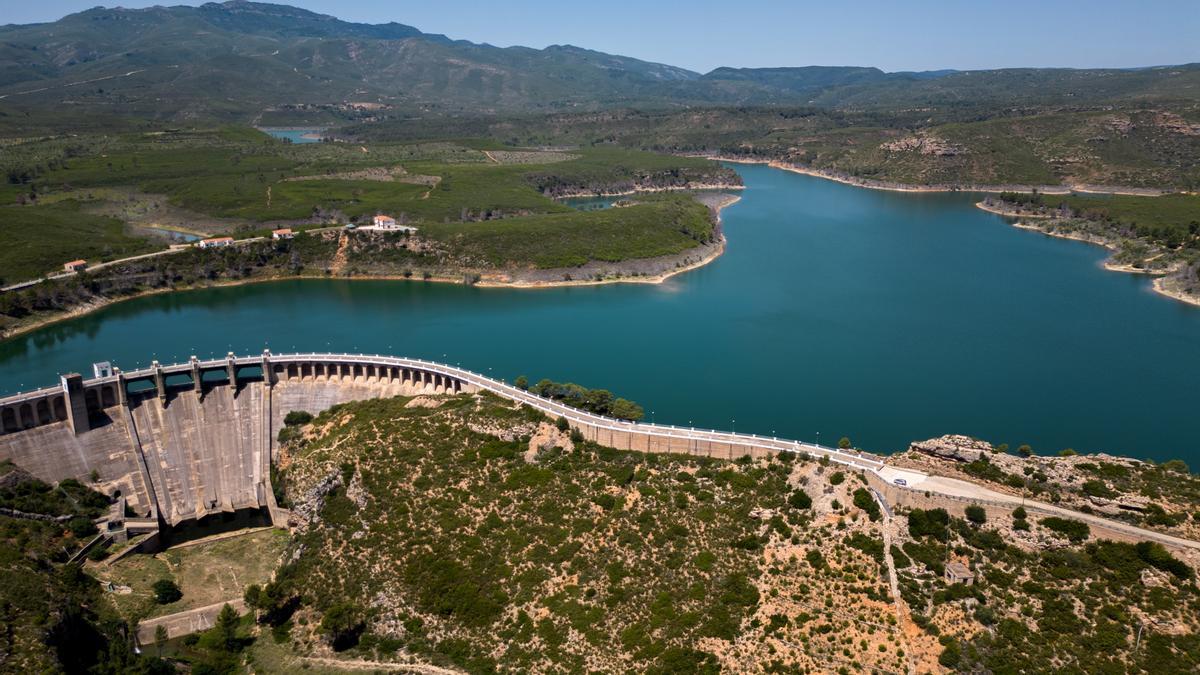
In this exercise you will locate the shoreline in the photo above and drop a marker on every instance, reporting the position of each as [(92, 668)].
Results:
[(1008, 213), (891, 186), (1158, 284), (626, 193), (714, 252)]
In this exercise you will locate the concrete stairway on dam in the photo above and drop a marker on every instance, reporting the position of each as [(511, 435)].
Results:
[(206, 455)]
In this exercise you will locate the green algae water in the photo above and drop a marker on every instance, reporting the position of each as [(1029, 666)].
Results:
[(885, 317)]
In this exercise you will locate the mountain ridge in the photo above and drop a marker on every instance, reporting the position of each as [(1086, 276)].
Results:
[(235, 59)]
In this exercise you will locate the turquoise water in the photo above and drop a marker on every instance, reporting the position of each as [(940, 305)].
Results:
[(173, 235), (883, 316), (590, 203), (293, 135)]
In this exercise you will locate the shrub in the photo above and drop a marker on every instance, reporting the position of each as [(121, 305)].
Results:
[(844, 443), (931, 523), (599, 401), (297, 418), (1177, 466), (976, 514), (82, 528), (1098, 488), (864, 501), (1073, 530), (1157, 556), (867, 544), (1025, 451), (1019, 513), (951, 655), (800, 500), (562, 424), (521, 383), (252, 595), (685, 660), (166, 592), (837, 478), (341, 626)]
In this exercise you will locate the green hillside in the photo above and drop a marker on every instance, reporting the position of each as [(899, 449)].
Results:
[(249, 61)]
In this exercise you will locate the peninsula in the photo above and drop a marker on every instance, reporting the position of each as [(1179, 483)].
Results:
[(461, 214)]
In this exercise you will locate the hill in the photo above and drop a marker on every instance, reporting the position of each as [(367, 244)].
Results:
[(464, 531), (249, 61), (240, 57)]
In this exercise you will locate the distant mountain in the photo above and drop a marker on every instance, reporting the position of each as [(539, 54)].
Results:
[(804, 79), (242, 56), (235, 59)]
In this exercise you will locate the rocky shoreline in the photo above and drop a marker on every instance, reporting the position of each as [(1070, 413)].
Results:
[(584, 194), (1161, 286), (892, 186), (1008, 212)]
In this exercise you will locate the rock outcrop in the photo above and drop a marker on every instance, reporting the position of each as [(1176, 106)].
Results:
[(953, 446), (926, 145)]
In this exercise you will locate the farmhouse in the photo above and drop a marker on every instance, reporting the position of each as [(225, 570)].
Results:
[(384, 223), (283, 233), (75, 266), (215, 242)]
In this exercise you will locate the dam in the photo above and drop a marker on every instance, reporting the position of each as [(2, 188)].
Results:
[(186, 441), (182, 442), (176, 444)]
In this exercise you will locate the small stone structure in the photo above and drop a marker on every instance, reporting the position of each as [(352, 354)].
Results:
[(958, 573)]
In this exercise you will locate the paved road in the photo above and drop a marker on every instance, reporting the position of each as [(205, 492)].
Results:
[(119, 261)]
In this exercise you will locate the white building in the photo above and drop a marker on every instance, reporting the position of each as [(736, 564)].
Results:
[(384, 223), (215, 242)]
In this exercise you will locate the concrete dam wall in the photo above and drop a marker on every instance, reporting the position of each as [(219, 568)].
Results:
[(182, 448)]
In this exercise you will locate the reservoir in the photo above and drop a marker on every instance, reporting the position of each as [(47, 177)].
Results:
[(839, 311), (294, 135)]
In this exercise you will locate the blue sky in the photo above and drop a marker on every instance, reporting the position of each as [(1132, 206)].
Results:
[(703, 34)]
